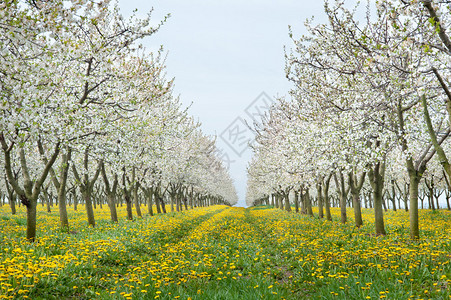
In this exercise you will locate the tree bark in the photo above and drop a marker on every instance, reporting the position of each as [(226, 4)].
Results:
[(172, 202), (110, 193), (326, 197), (302, 201), (447, 196), (356, 186), (286, 196), (376, 176), (163, 205), (31, 219), (136, 200), (393, 195), (149, 194), (308, 203), (296, 201), (46, 199), (413, 198), (157, 202), (343, 193), (134, 193), (62, 205), (88, 206), (12, 196), (319, 188)]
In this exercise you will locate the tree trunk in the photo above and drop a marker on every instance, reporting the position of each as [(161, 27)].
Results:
[(413, 199), (431, 201), (150, 202), (343, 193), (376, 176), (286, 196), (436, 201), (31, 219), (94, 202), (393, 196), (128, 202), (421, 199), (62, 206), (157, 202), (357, 210), (89, 208), (308, 203), (319, 188), (112, 205), (12, 202), (177, 201), (74, 195), (355, 186), (296, 201), (302, 202), (326, 197), (12, 196), (163, 205), (447, 203), (172, 202), (185, 201), (430, 193), (447, 196), (46, 199), (406, 197), (384, 203), (136, 200)]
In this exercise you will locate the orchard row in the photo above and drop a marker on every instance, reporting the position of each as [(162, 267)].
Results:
[(85, 109), (369, 114)]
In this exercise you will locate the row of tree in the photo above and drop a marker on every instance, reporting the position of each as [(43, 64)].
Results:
[(85, 107), (370, 109), (431, 197)]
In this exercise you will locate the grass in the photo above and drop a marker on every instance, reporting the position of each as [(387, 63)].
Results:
[(225, 253)]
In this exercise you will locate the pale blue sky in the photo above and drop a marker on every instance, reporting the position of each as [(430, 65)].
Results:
[(223, 55)]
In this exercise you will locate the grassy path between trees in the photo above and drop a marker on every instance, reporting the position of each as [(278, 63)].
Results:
[(225, 253)]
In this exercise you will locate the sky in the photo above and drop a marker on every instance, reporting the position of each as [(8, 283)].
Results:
[(227, 58)]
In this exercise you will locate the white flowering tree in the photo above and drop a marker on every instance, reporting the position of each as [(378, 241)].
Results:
[(364, 89), (78, 88)]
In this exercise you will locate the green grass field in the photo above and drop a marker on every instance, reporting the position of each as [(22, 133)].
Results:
[(225, 253)]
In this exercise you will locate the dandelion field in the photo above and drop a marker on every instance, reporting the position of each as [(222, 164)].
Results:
[(220, 252)]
